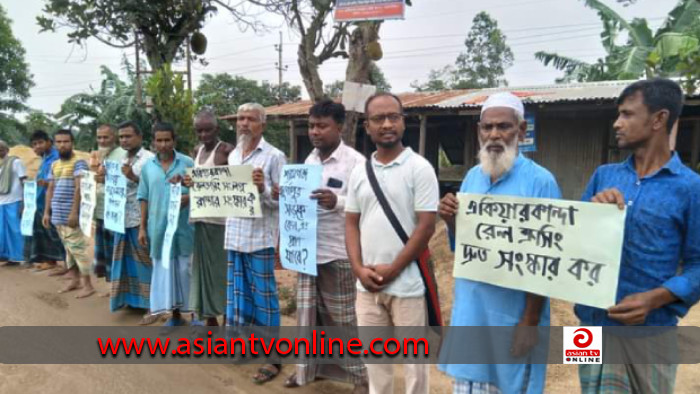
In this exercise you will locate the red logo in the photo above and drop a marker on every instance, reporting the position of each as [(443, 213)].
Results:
[(583, 339)]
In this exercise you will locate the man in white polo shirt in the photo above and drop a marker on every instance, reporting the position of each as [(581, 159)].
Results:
[(390, 287)]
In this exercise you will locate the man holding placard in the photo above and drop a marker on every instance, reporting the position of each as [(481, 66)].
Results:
[(131, 265), (502, 171), (107, 149), (12, 174), (383, 252), (328, 299), (660, 269), (62, 210), (252, 290), (170, 285), (45, 247), (208, 288)]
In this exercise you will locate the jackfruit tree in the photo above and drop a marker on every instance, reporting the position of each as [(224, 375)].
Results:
[(162, 26), (322, 40)]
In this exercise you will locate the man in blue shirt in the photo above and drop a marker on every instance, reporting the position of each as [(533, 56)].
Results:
[(503, 171), (170, 283), (662, 228)]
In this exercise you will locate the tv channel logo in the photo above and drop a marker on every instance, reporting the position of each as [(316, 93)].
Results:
[(583, 345)]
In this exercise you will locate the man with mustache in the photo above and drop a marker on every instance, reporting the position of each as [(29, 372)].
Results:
[(503, 171), (62, 210), (252, 290), (660, 268)]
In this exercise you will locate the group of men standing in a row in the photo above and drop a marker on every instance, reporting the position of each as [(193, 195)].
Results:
[(367, 274)]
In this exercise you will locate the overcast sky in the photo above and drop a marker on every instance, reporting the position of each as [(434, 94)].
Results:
[(431, 36)]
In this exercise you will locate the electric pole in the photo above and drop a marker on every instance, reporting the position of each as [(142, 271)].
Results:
[(280, 68)]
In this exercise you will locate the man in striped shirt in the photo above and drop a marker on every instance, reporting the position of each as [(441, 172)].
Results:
[(63, 212)]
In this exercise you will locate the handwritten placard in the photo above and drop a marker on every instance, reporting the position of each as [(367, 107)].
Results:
[(173, 219), (298, 217), (562, 249), (88, 201), (29, 211), (221, 192), (115, 197)]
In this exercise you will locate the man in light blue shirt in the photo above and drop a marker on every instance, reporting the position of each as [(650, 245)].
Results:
[(170, 284), (503, 171)]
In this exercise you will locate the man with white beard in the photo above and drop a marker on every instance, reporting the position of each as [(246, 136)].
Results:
[(503, 171)]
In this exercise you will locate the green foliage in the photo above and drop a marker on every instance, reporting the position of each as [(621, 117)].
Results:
[(223, 93), (15, 82), (163, 25), (645, 53), (481, 65), (114, 102), (173, 103)]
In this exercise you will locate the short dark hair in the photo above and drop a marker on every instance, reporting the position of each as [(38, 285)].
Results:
[(382, 94), (39, 135), (64, 132), (164, 126), (328, 108), (657, 94), (130, 124)]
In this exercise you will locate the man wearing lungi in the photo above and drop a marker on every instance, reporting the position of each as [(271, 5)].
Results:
[(209, 261), (660, 268), (251, 297), (12, 175), (328, 299)]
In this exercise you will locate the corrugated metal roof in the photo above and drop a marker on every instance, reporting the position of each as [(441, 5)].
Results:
[(456, 99)]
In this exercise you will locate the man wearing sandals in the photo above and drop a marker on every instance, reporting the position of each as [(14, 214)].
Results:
[(62, 210), (390, 287), (252, 291), (328, 299)]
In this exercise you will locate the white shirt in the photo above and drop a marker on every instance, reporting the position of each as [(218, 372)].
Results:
[(16, 191), (410, 185), (331, 223), (247, 235), (132, 217)]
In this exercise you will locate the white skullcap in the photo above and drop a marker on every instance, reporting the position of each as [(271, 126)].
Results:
[(504, 100)]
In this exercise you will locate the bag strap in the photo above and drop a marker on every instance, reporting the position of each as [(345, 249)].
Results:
[(384, 203)]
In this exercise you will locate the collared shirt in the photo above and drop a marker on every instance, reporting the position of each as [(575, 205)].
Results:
[(248, 235), (117, 154), (481, 304), (18, 172), (410, 185), (63, 174), (661, 245), (331, 222), (44, 174), (132, 217), (154, 187)]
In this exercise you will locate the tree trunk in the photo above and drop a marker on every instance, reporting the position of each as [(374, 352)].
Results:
[(358, 70), (308, 67)]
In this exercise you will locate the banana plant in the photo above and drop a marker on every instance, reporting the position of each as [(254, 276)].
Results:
[(644, 54)]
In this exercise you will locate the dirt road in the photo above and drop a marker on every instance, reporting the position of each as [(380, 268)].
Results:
[(31, 299)]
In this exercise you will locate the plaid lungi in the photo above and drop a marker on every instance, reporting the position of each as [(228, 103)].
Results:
[(104, 248), (627, 378), (208, 287), (45, 244), (328, 300), (131, 272), (251, 291), (462, 386)]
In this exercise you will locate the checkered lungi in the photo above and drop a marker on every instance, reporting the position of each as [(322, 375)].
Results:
[(251, 291), (328, 300), (462, 386)]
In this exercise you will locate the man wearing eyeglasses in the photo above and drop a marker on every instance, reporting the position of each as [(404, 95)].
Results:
[(390, 287)]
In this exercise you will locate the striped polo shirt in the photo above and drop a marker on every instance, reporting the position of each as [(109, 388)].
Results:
[(63, 173)]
